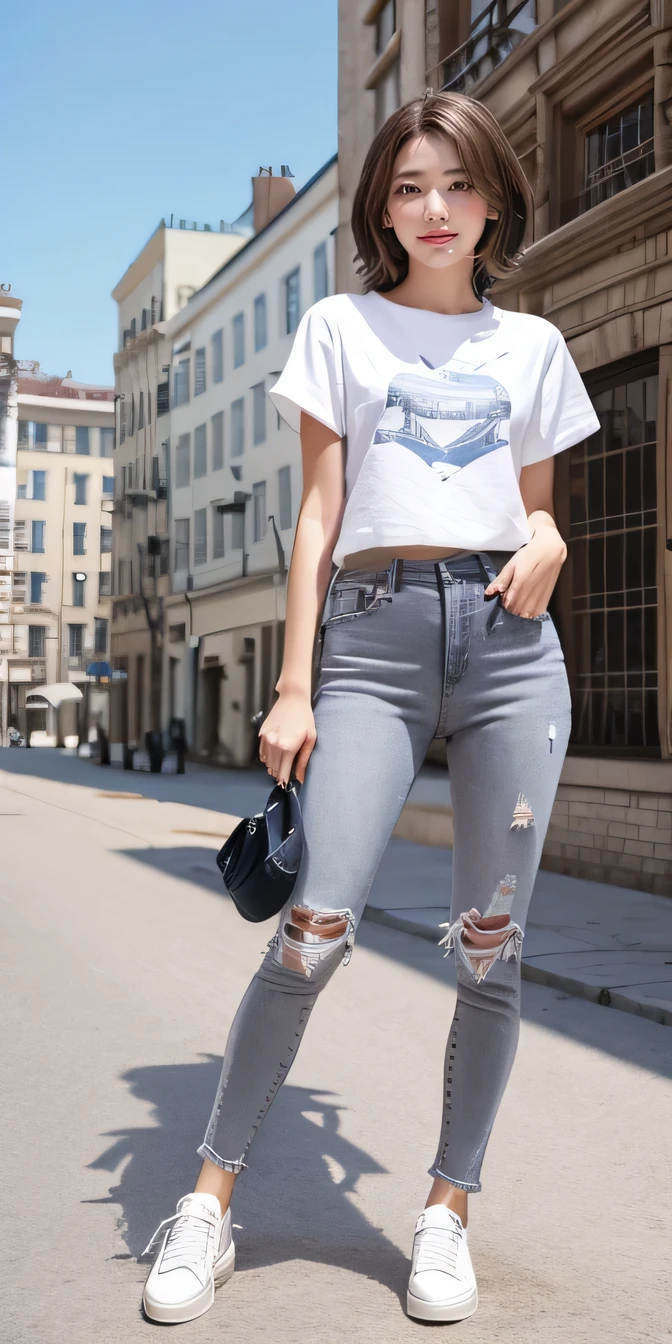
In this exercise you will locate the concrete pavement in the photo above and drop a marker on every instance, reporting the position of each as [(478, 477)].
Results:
[(612, 945), (122, 965)]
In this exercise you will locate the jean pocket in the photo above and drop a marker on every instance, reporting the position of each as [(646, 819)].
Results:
[(526, 620)]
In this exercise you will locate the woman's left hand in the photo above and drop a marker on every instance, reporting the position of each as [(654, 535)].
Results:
[(529, 577)]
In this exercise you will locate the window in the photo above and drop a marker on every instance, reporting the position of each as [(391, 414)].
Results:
[(260, 332), (108, 485), (141, 410), (217, 424), (76, 640), (200, 451), (131, 428), (37, 530), (100, 635), (122, 421), (81, 488), (181, 543), (36, 645), (106, 442), (200, 537), (217, 534), (181, 383), (199, 371), (238, 340), (387, 94), (38, 485), (105, 540), (292, 301), (613, 633), (386, 24), (82, 440), (78, 591), (79, 538), (41, 435), (237, 531), (285, 497), (217, 344), (34, 487), (320, 273), (182, 454), (162, 398), (258, 413), (37, 581), (259, 506), (104, 583), (617, 154), (237, 427)]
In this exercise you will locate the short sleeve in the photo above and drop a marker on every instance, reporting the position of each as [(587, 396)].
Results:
[(312, 377), (563, 413)]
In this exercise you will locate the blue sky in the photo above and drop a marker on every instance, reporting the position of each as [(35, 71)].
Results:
[(118, 114)]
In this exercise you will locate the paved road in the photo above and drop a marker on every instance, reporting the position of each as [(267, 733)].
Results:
[(123, 964)]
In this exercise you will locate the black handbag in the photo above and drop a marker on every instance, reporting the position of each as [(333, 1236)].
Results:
[(260, 860)]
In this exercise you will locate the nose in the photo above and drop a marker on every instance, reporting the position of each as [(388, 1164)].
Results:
[(435, 206)]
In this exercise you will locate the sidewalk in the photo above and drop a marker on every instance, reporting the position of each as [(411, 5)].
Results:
[(612, 945)]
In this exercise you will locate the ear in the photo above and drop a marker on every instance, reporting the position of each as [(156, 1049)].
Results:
[(387, 222)]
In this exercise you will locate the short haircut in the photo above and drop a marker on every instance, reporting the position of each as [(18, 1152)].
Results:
[(492, 167)]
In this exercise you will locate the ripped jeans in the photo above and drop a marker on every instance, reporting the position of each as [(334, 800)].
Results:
[(406, 655)]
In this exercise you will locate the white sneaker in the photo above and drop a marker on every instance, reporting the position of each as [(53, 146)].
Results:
[(442, 1286), (197, 1255)]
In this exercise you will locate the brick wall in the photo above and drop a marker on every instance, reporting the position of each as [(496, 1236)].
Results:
[(612, 835)]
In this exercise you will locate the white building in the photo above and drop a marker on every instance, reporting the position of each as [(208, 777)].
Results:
[(235, 472)]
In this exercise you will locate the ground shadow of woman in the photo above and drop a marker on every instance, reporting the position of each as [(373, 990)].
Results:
[(290, 1204)]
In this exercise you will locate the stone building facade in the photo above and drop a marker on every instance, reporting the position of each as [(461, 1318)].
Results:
[(584, 94)]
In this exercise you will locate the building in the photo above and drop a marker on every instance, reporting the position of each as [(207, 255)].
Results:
[(235, 467), (61, 542), (584, 93), (178, 258)]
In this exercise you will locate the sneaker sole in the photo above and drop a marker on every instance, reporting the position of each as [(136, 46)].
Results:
[(441, 1311), (179, 1312)]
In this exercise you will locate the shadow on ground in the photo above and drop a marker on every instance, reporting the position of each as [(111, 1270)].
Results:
[(292, 1204), (619, 1034)]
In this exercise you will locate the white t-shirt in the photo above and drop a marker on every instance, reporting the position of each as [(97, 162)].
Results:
[(439, 414)]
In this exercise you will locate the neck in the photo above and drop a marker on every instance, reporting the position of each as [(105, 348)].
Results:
[(449, 291)]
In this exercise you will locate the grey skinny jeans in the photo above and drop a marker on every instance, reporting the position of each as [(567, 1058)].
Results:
[(405, 660)]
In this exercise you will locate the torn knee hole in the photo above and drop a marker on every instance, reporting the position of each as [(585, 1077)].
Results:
[(309, 937), (481, 940)]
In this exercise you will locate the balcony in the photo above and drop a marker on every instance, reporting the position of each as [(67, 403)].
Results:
[(498, 30), (610, 179)]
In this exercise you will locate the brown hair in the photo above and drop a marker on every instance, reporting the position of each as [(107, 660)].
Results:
[(493, 169)]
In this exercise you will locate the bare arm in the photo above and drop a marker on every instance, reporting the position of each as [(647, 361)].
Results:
[(528, 579), (289, 728)]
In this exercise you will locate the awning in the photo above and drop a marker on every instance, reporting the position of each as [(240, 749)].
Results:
[(54, 694), (99, 669)]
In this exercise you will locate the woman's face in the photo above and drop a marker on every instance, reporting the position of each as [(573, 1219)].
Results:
[(435, 211)]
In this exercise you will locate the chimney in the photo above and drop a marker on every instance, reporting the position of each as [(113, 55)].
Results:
[(270, 195)]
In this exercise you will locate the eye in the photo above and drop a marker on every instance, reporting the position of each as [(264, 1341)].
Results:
[(461, 182), (405, 188)]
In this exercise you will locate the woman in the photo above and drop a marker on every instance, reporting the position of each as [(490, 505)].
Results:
[(435, 625)]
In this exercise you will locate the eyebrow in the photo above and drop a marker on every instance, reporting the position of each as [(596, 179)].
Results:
[(420, 172)]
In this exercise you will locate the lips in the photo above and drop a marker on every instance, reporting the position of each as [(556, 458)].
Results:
[(437, 239)]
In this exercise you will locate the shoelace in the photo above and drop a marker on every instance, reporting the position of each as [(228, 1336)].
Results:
[(188, 1241), (436, 1252)]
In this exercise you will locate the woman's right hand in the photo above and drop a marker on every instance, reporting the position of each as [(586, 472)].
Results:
[(288, 729)]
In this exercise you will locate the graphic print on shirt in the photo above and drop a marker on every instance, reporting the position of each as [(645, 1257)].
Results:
[(424, 414)]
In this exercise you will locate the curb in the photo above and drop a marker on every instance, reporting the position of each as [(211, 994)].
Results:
[(598, 994)]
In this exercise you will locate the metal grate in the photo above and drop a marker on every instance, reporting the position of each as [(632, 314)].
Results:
[(612, 542)]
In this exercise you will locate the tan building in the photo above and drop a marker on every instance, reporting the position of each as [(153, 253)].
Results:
[(584, 93), (176, 261), (56, 558)]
